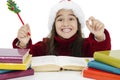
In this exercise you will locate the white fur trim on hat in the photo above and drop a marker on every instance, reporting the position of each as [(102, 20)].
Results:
[(66, 4)]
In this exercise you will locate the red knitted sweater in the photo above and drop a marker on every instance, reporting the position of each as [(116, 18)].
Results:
[(90, 45)]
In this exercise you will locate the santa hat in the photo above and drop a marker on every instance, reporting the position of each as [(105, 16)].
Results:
[(66, 4)]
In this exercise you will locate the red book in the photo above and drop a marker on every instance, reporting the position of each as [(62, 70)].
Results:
[(16, 74), (8, 55), (99, 74)]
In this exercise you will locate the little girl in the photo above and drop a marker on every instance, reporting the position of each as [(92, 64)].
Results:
[(66, 38)]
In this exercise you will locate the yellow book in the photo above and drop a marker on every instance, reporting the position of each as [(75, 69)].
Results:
[(110, 57), (57, 63), (17, 66)]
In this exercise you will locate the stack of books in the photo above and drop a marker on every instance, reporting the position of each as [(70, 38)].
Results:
[(15, 63), (105, 66)]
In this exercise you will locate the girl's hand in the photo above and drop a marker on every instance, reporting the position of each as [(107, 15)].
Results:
[(23, 36), (96, 27)]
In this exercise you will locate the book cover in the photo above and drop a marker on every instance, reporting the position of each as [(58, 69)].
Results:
[(104, 67), (5, 71), (99, 74), (16, 74), (111, 57), (8, 55), (17, 66), (57, 63)]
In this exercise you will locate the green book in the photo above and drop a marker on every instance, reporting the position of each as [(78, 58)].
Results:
[(110, 57)]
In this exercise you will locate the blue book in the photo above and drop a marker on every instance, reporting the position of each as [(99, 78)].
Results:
[(5, 71), (103, 66), (2, 71), (16, 74)]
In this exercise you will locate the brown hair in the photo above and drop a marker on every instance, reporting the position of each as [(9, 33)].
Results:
[(76, 46)]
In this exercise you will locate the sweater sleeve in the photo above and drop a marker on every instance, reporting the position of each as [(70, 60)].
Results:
[(37, 49), (16, 41), (91, 45)]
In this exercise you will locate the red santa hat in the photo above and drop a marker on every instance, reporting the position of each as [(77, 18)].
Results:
[(66, 4)]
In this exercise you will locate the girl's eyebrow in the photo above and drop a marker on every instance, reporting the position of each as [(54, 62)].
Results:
[(72, 15), (61, 15), (58, 16)]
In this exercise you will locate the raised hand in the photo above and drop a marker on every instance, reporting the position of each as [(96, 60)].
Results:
[(96, 27), (23, 36)]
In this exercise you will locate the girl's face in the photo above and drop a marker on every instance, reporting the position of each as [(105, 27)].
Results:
[(66, 23)]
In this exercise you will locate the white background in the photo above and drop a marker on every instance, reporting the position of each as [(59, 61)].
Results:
[(36, 12)]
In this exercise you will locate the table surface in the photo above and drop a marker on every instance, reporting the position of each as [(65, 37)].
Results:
[(61, 75)]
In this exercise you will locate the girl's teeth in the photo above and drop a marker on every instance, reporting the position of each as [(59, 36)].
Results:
[(66, 30)]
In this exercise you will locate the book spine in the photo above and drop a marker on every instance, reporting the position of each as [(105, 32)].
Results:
[(107, 59), (17, 66), (13, 66), (99, 75), (5, 71), (16, 74), (11, 61), (104, 67)]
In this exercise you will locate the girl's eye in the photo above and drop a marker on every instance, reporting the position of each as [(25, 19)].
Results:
[(71, 19), (60, 19)]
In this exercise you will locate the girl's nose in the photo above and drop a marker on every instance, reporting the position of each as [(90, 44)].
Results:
[(65, 23)]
